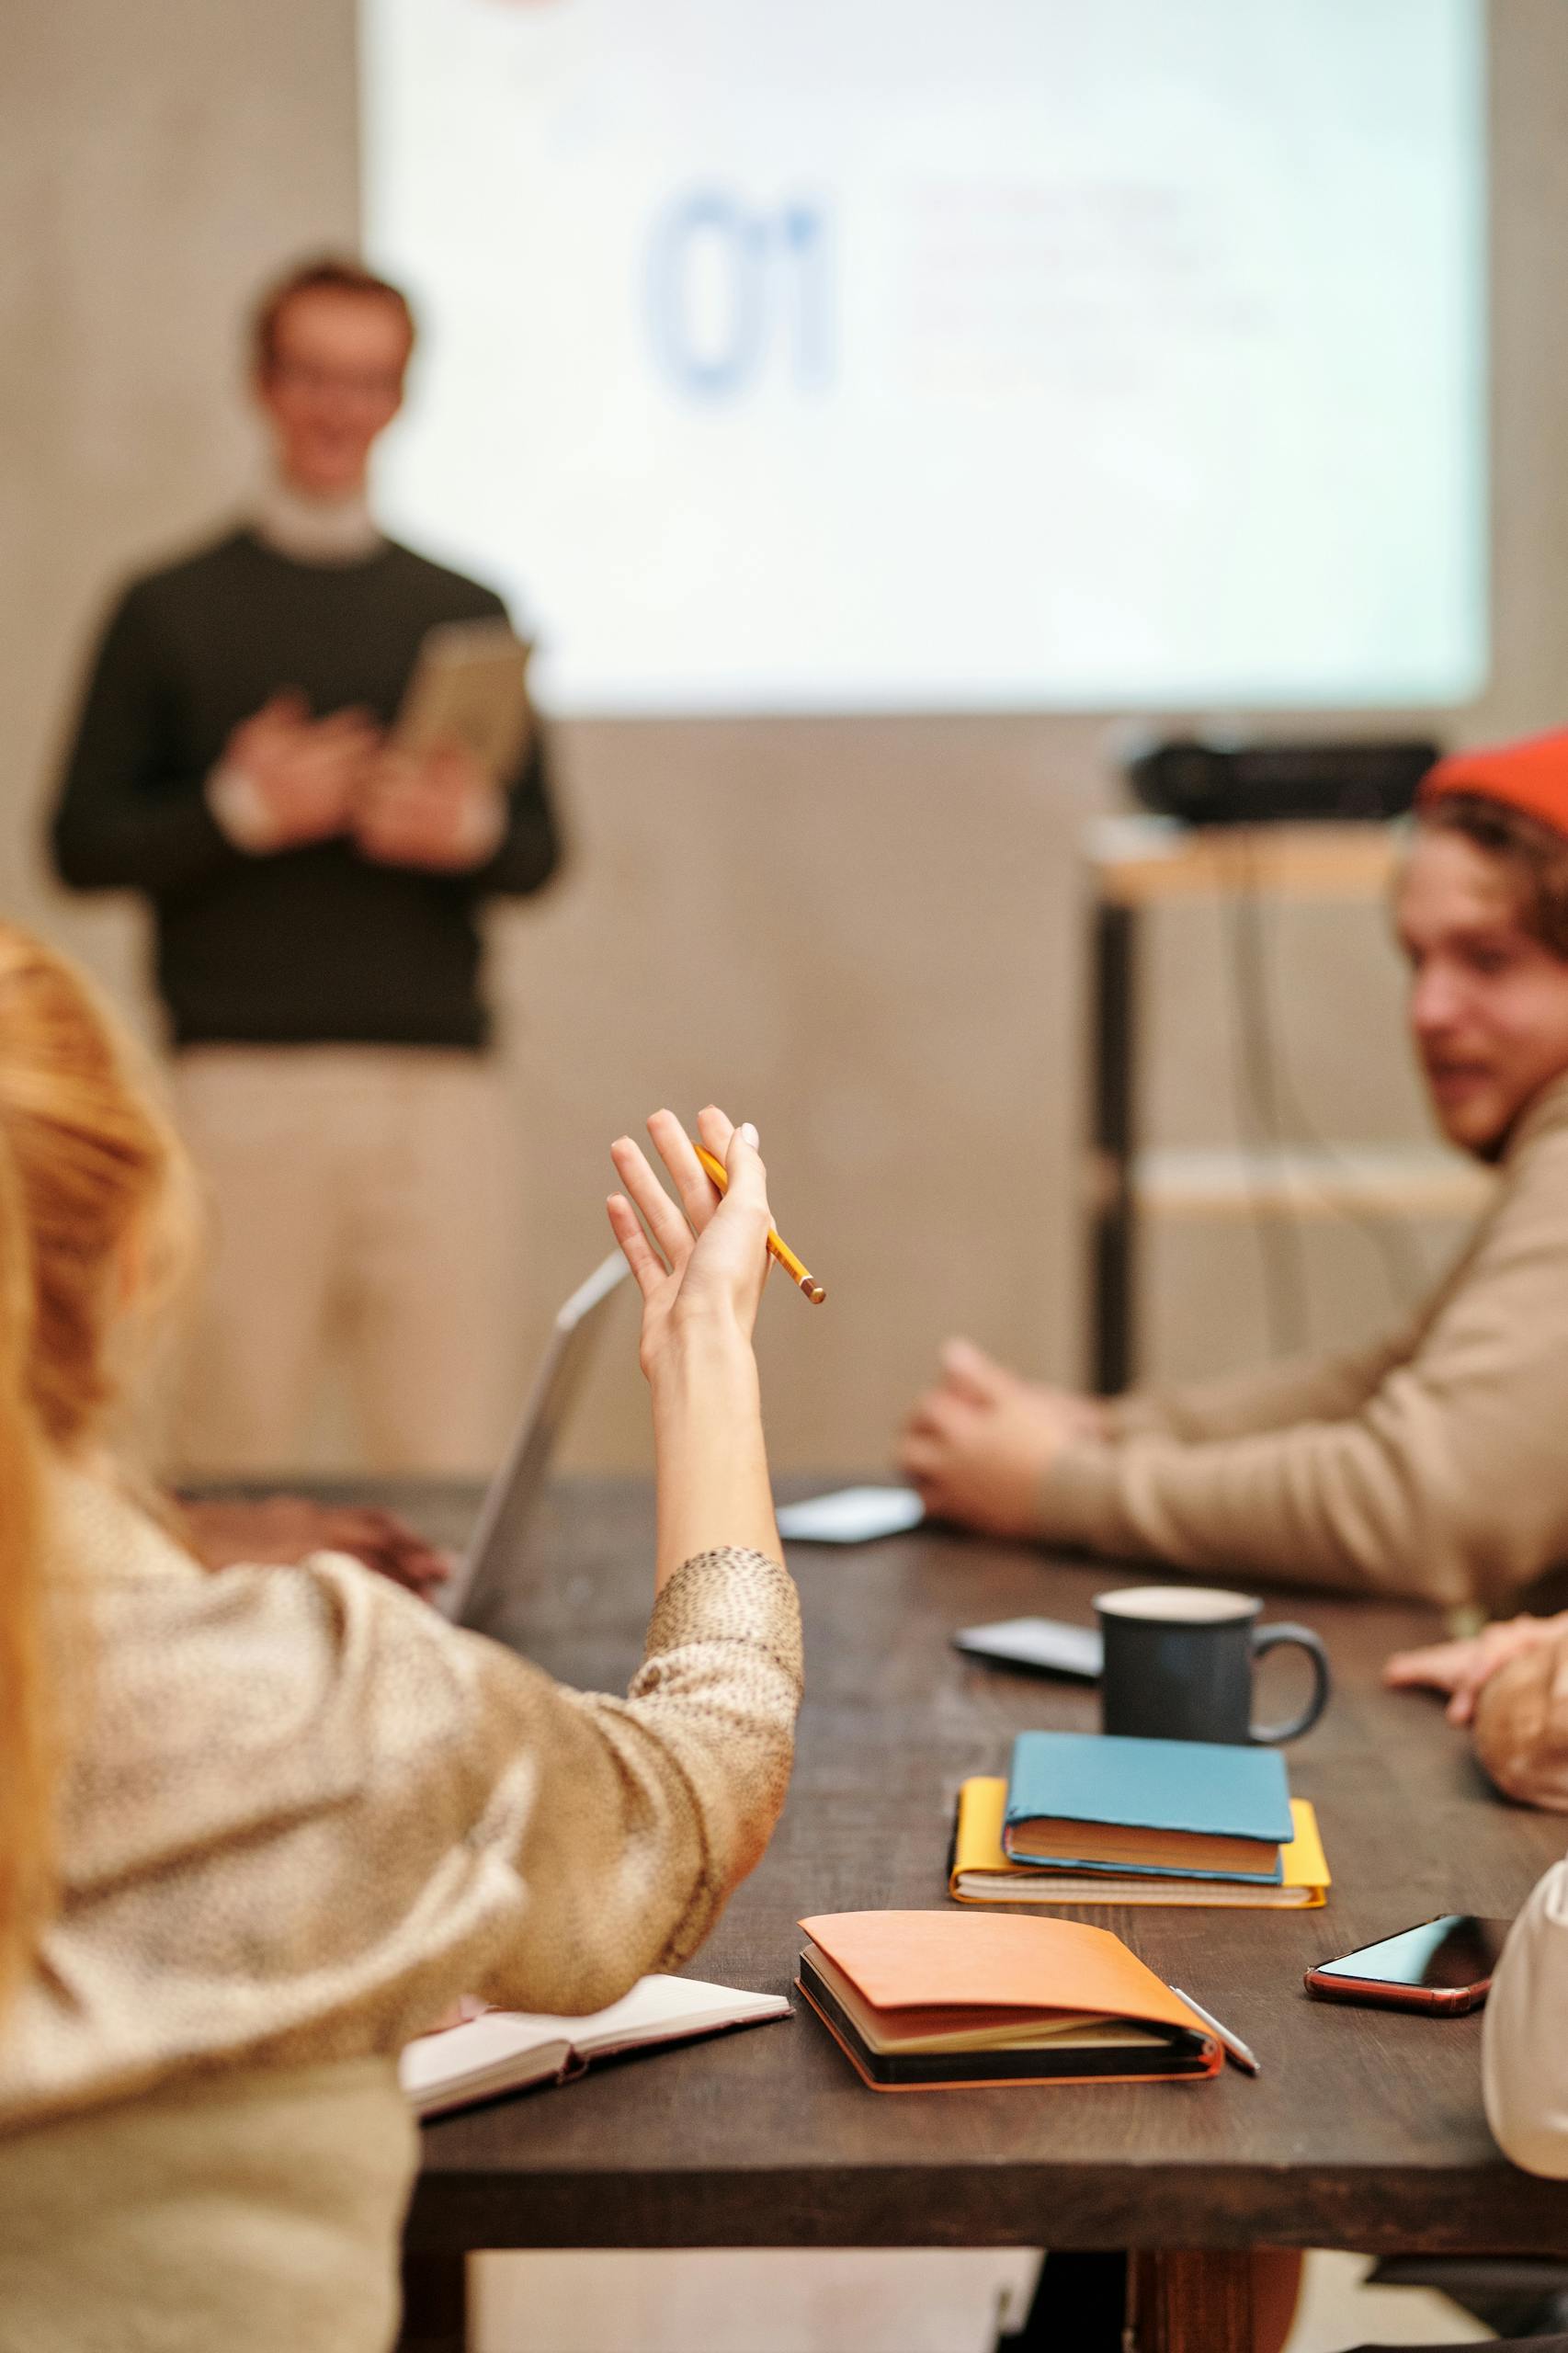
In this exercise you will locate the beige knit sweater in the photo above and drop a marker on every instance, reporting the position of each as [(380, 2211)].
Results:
[(1435, 1465), (303, 1815)]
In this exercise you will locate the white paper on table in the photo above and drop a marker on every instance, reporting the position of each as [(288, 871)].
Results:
[(852, 1516)]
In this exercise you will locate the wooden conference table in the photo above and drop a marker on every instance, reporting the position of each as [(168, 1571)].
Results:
[(1363, 2129)]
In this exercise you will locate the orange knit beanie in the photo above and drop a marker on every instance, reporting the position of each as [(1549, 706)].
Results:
[(1531, 776)]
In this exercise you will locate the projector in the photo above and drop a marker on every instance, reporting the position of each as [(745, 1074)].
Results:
[(1257, 784)]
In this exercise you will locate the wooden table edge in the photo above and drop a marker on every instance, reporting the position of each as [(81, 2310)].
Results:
[(1373, 2209)]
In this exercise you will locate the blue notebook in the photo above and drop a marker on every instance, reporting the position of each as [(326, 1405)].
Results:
[(1186, 1809)]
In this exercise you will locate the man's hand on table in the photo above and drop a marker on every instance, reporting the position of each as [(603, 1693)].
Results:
[(1521, 1724), (281, 1530), (1463, 1668), (978, 1446), (1511, 1683)]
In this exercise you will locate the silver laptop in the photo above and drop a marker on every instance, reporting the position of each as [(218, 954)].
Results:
[(496, 1548)]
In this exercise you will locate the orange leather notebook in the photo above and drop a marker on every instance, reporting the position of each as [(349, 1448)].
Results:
[(946, 2000)]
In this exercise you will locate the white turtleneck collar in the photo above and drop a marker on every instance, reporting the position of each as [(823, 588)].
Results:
[(315, 531)]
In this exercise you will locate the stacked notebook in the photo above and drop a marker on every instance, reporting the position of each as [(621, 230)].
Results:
[(1094, 1819), (945, 2000)]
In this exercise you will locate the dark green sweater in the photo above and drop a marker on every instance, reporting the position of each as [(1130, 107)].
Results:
[(310, 945)]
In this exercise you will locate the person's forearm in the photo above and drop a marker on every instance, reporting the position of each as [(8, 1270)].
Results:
[(1438, 1490), (712, 1466), (1266, 1397)]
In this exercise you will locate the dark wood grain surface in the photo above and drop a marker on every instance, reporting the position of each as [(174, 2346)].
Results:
[(1365, 2129)]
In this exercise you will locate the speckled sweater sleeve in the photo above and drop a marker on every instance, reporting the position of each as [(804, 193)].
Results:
[(650, 1809), (305, 1814)]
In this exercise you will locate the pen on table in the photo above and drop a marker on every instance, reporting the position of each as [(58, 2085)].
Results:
[(776, 1243), (1235, 2048)]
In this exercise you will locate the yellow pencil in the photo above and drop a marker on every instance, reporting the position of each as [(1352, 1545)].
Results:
[(779, 1247)]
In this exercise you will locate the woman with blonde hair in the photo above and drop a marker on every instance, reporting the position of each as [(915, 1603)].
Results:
[(258, 1827)]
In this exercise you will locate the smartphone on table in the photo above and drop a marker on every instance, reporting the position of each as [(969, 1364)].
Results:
[(1044, 1645), (1444, 1965)]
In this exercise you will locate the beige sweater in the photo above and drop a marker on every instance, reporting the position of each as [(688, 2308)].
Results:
[(303, 1815), (1435, 1465)]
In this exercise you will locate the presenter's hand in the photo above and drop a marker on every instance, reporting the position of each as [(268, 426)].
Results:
[(303, 775), (1462, 1669), (281, 1530), (700, 1267), (980, 1445), (1521, 1723), (440, 810)]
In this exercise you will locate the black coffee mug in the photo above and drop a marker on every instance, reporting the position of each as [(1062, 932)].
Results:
[(1178, 1663)]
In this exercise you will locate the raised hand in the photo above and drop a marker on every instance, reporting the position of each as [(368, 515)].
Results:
[(705, 1262), (700, 1266)]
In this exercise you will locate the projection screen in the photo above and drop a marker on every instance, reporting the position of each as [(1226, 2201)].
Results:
[(868, 355)]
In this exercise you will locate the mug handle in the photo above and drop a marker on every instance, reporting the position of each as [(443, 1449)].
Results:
[(1268, 1638)]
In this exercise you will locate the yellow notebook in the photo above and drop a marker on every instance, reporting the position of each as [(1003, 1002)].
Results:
[(981, 1873)]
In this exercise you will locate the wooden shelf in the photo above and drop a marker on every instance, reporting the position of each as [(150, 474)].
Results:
[(1134, 864), (1139, 861), (1393, 1181)]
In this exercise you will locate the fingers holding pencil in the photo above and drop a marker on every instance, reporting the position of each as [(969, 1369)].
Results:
[(738, 1172), (715, 1128), (661, 1239), (777, 1247), (710, 1280), (692, 1166)]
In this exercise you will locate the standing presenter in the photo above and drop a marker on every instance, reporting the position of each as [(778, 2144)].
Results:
[(315, 895)]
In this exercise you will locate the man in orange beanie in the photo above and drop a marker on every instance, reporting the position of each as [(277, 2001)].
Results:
[(1435, 1465)]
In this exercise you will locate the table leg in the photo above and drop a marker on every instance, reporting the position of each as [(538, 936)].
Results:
[(434, 2304), (1080, 2301), (1113, 1084), (1192, 2300)]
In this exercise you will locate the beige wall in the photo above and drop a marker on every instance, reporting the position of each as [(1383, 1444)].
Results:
[(156, 158), (864, 934)]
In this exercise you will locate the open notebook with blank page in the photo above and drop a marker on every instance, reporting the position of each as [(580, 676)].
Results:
[(505, 2050)]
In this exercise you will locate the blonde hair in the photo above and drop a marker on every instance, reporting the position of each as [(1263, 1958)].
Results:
[(95, 1204)]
